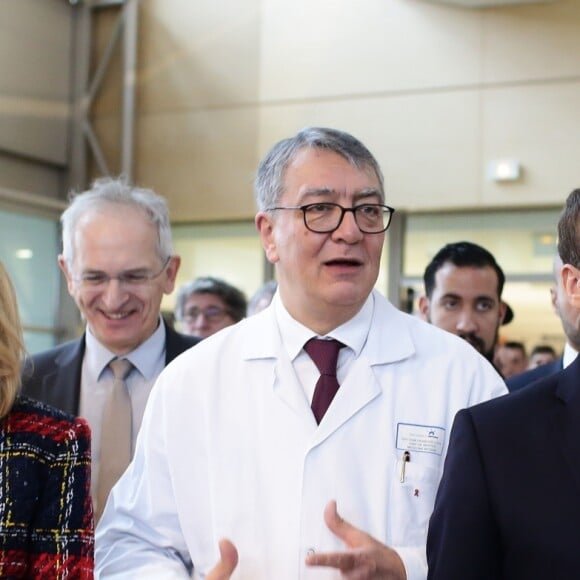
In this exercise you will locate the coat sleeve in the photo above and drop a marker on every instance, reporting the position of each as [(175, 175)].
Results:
[(463, 541), (139, 535), (63, 524)]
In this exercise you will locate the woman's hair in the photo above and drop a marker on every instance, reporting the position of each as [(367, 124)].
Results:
[(11, 344)]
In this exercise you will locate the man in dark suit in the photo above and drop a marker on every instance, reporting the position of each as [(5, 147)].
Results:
[(508, 504), (567, 315), (54, 376), (118, 262)]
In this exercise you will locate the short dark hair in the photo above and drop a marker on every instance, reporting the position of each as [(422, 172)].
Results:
[(233, 298), (461, 254), (515, 345), (569, 230), (543, 349)]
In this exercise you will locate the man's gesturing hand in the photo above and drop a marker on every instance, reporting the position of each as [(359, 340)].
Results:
[(228, 561), (365, 559)]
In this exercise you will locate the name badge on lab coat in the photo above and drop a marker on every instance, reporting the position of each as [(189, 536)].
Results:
[(423, 438)]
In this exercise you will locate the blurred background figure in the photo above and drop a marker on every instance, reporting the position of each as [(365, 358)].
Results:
[(511, 359), (262, 297), (542, 354), (205, 305), (46, 520)]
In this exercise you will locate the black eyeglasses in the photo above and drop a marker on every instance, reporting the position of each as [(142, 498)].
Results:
[(324, 218)]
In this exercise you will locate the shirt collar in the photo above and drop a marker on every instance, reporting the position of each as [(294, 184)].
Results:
[(570, 355), (353, 333), (143, 358)]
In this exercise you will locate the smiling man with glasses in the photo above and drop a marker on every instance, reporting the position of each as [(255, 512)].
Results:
[(130, 279), (118, 262), (330, 401)]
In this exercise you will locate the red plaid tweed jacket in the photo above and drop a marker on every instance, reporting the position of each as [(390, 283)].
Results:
[(46, 515)]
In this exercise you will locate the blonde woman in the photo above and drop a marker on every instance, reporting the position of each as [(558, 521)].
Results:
[(46, 517)]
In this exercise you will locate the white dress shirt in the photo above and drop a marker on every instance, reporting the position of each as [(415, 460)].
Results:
[(294, 335)]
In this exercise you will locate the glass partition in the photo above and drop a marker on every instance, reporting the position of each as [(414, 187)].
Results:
[(29, 247)]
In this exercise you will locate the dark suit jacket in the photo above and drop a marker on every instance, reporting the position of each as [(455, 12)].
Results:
[(528, 377), (508, 506), (54, 376)]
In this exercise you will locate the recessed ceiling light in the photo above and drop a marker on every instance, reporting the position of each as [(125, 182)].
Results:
[(24, 254)]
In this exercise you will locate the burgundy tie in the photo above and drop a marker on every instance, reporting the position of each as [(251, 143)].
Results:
[(324, 353)]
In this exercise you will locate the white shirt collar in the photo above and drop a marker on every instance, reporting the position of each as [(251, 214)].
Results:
[(144, 357), (352, 333), (569, 355)]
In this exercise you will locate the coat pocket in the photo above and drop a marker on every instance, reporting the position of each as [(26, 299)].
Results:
[(413, 490)]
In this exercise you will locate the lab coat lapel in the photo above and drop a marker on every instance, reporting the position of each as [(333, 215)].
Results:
[(358, 389), (287, 387), (388, 341), (274, 367)]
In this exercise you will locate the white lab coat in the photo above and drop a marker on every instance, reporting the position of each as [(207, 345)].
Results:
[(229, 448)]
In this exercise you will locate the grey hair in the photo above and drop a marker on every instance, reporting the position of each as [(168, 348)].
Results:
[(232, 297), (109, 191), (269, 182)]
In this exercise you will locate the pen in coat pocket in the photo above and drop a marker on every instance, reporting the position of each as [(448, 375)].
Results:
[(405, 459)]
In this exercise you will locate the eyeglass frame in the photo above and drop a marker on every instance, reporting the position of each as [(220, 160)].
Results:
[(306, 207), (201, 311), (123, 278)]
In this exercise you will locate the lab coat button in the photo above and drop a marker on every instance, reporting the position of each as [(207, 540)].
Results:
[(310, 551)]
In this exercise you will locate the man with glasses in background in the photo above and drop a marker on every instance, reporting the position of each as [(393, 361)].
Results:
[(329, 401), (207, 304), (118, 261)]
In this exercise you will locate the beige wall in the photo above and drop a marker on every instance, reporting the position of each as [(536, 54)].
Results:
[(35, 67), (435, 91)]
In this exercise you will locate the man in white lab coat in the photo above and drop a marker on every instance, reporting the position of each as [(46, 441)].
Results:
[(233, 476)]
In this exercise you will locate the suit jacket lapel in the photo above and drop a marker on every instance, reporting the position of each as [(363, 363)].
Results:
[(176, 343), (62, 387), (568, 417)]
